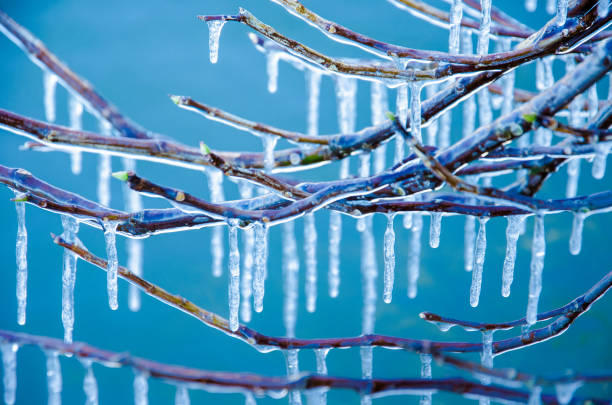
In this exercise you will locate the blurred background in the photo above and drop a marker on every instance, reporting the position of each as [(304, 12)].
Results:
[(136, 54)]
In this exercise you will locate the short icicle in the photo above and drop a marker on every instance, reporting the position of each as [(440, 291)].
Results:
[(49, 85), (603, 6), (234, 276), (214, 33), (310, 257), (269, 143), (215, 188), (513, 230), (248, 242), (71, 227), (110, 231), (291, 268), (435, 227), (415, 110), (90, 385), (54, 378), (9, 370), (561, 16), (602, 150), (425, 373), (75, 112), (479, 258), (535, 397), (141, 387), (565, 391), (313, 83), (21, 250), (104, 169), (249, 399), (260, 258), (575, 242), (181, 397), (538, 251), (530, 5), (293, 370), (414, 254), (389, 255)]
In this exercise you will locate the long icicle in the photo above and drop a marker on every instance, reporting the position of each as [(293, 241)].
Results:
[(9, 368), (369, 273), (214, 32), (234, 276), (75, 113), (248, 242), (389, 255), (49, 86), (414, 254), (310, 257), (538, 251), (21, 250), (54, 378), (401, 109), (71, 227), (134, 247), (141, 387), (415, 110), (110, 231), (272, 59), (291, 268), (321, 355), (261, 252), (479, 258), (215, 188), (513, 231)]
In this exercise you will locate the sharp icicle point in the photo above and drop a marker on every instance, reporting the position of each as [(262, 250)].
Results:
[(261, 253), (538, 251), (575, 243), (54, 378), (75, 112), (291, 268), (389, 255), (21, 254), (215, 188), (310, 257), (71, 227), (9, 370), (49, 85), (141, 387), (234, 276), (479, 259), (110, 231), (214, 33), (513, 230), (435, 227)]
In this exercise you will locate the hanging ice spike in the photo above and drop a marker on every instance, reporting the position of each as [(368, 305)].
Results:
[(21, 249), (538, 251), (389, 255), (214, 33), (310, 257), (425, 373), (261, 253), (291, 267), (71, 227), (110, 230), (75, 112), (141, 387), (49, 86), (90, 385), (234, 276), (575, 243), (479, 258), (513, 231), (414, 254), (9, 370), (54, 378)]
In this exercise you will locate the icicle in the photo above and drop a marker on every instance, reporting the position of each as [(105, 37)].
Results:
[(538, 251), (367, 354), (335, 235), (249, 399), (346, 90), (415, 110), (485, 28), (135, 252), (425, 373), (435, 227), (49, 85), (551, 6), (248, 241), (369, 273), (456, 14), (269, 143), (291, 267), (507, 82), (71, 227), (479, 258), (272, 58), (575, 243), (407, 220), (104, 169), (182, 396), (54, 378), (565, 391), (561, 12), (310, 257), (293, 370), (602, 8), (215, 188), (21, 249), (141, 387), (602, 150), (573, 173), (110, 229), (389, 254), (530, 5), (313, 80), (379, 106), (468, 243), (469, 105), (321, 396), (9, 365), (234, 276), (75, 109), (214, 32), (90, 386), (535, 398), (401, 106), (513, 231), (261, 256), (414, 254), (486, 359)]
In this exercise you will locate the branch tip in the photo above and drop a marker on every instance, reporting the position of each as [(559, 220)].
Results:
[(123, 176), (204, 148)]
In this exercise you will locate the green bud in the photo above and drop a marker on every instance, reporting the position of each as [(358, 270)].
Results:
[(123, 176)]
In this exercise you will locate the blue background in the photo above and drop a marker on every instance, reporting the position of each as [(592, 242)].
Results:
[(135, 54)]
